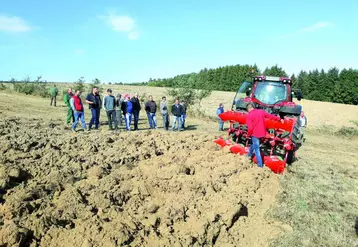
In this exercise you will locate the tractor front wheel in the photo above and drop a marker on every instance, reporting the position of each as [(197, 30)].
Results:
[(290, 156)]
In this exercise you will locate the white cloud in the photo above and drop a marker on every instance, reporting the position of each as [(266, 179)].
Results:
[(122, 23), (313, 28), (13, 24), (317, 26)]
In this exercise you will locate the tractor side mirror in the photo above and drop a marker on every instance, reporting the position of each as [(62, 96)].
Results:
[(298, 94), (248, 92)]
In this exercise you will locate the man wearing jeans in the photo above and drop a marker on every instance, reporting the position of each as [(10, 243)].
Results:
[(218, 112), (136, 110), (177, 111), (165, 113), (95, 103), (128, 111), (109, 104), (256, 129), (151, 109), (77, 107), (183, 114)]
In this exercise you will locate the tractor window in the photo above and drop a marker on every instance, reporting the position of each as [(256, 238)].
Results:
[(270, 92), (243, 91)]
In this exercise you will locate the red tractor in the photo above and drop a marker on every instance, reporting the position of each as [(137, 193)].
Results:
[(274, 95)]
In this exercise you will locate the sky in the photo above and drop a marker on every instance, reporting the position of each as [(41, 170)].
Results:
[(134, 40)]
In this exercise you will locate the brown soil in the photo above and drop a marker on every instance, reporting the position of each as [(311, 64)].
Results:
[(147, 188)]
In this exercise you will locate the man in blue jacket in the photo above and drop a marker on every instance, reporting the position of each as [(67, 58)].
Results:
[(219, 111), (129, 110)]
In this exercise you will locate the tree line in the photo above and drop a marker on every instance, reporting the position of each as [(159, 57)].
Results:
[(331, 85)]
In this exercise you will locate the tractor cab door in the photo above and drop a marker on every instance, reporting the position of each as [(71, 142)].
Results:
[(243, 92)]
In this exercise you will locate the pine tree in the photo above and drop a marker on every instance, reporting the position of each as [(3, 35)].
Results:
[(275, 71)]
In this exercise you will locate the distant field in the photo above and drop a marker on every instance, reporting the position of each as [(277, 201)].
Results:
[(318, 113)]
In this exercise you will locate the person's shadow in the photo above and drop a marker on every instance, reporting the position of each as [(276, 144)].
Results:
[(356, 226), (191, 127)]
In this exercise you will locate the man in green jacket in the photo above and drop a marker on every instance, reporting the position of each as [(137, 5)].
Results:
[(53, 93), (67, 97)]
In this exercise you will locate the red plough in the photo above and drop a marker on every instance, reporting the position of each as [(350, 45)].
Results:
[(277, 147)]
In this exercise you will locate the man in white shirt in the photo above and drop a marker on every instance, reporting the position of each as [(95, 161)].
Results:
[(303, 120)]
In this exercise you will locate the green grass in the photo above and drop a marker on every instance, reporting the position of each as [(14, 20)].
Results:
[(319, 195)]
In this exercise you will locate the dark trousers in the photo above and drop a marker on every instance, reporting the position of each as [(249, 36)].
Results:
[(136, 119), (165, 121), (95, 117), (111, 115), (53, 100)]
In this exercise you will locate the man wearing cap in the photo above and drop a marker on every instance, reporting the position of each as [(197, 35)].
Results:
[(256, 129), (109, 105)]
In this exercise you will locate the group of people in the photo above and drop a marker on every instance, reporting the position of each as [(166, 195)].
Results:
[(121, 108)]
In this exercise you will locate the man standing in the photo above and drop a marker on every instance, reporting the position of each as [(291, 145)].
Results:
[(136, 110), (256, 129), (119, 101), (151, 109), (110, 107), (183, 114), (53, 93), (164, 112), (77, 107), (127, 111), (66, 98), (303, 120), (177, 111), (94, 101), (218, 112)]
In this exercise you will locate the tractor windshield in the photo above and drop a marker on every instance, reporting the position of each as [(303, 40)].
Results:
[(270, 92), (243, 91)]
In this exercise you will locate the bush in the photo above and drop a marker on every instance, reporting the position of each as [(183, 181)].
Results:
[(190, 96), (80, 84), (95, 83), (2, 86), (348, 131)]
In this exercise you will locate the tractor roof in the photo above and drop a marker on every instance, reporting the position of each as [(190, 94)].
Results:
[(273, 78)]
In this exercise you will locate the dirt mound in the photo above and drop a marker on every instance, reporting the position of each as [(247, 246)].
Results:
[(147, 188)]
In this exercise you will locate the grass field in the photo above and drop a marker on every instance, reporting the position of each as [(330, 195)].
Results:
[(315, 203)]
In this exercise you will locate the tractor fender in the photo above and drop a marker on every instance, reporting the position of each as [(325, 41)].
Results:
[(290, 110), (241, 104)]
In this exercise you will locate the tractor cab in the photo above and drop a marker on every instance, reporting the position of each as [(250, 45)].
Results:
[(266, 92)]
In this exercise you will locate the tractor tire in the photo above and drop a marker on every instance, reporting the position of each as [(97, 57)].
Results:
[(297, 138), (290, 157), (295, 111)]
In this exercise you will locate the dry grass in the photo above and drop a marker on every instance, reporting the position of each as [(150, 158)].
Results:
[(319, 194)]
